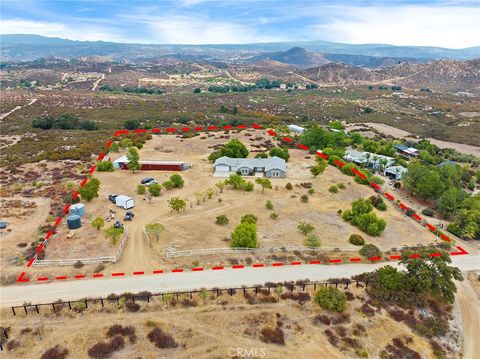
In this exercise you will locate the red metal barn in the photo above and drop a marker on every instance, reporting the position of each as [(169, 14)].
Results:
[(157, 165)]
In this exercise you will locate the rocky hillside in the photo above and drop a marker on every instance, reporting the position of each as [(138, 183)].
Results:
[(443, 75)]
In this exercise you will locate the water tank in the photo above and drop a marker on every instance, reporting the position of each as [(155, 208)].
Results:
[(78, 208), (73, 221)]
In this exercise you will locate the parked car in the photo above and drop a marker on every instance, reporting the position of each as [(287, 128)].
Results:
[(146, 180), (118, 224), (128, 216), (150, 183), (112, 198)]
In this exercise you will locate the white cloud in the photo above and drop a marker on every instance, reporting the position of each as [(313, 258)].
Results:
[(181, 29), (452, 27), (81, 32)]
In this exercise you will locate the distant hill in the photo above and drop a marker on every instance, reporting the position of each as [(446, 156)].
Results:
[(21, 47), (443, 75), (295, 56)]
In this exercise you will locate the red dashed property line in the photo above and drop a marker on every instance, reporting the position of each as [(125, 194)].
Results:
[(461, 251), (101, 156)]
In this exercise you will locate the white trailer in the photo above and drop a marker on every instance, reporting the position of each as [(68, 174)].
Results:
[(124, 202)]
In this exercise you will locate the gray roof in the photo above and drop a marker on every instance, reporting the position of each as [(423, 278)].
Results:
[(270, 163)]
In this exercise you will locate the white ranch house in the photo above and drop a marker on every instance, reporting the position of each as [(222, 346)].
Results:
[(274, 167)]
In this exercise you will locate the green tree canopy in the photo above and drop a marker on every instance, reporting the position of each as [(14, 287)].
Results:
[(133, 159), (244, 236), (331, 298), (90, 190), (264, 183), (234, 149)]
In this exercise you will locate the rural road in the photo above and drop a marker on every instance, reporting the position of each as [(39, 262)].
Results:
[(170, 282)]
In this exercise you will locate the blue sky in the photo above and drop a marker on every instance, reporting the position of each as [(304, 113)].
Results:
[(445, 23)]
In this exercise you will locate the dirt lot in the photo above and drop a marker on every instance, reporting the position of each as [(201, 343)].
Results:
[(212, 327)]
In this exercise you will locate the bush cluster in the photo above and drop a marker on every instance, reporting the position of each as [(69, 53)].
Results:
[(356, 240), (361, 216)]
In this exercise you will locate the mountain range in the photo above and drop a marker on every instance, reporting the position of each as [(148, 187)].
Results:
[(21, 47)]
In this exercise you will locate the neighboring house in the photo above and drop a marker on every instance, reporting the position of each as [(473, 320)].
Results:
[(275, 167), (296, 128), (152, 165), (407, 151), (372, 160), (395, 172)]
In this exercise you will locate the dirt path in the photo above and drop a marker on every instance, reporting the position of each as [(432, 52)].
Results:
[(95, 84), (3, 115), (469, 303), (396, 132), (234, 79)]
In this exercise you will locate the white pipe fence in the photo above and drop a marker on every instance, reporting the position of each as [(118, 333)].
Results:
[(91, 260)]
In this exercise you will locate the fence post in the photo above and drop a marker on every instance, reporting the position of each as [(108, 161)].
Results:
[(256, 291), (36, 307), (25, 307), (133, 299), (69, 305), (303, 287), (5, 333), (13, 310), (357, 284), (315, 286), (366, 284), (53, 306), (346, 286), (148, 299), (86, 303), (336, 284), (101, 300)]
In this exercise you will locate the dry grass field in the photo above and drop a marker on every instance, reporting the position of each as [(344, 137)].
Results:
[(216, 327)]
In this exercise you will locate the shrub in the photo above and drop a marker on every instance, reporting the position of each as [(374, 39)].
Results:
[(370, 250), (177, 181), (161, 339), (79, 307), (331, 298), (289, 186), (78, 264), (222, 220), (167, 184), (367, 310), (244, 236), (269, 205), (333, 189), (98, 223), (132, 307), (356, 240), (312, 241), (305, 227), (249, 219), (273, 215), (274, 336), (341, 186), (155, 189), (105, 166), (311, 191), (141, 189), (105, 349), (304, 198), (55, 353), (428, 212), (378, 203)]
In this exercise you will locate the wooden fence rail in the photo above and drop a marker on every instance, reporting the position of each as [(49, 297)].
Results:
[(91, 260), (299, 285)]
